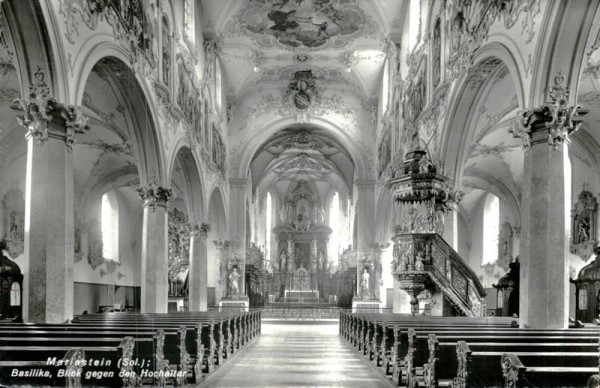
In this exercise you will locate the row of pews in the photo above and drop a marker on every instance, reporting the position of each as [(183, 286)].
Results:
[(473, 352), (123, 349)]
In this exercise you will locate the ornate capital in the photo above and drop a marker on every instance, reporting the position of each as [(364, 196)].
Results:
[(75, 122), (221, 244), (196, 229), (154, 196), (39, 109), (556, 117)]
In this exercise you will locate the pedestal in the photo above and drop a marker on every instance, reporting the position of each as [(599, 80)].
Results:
[(241, 304), (365, 306)]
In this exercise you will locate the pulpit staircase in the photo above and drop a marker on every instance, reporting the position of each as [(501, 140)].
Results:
[(423, 260), (438, 266)]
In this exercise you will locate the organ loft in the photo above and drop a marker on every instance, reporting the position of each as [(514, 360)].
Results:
[(270, 193)]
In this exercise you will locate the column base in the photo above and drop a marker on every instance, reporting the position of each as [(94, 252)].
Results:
[(365, 306)]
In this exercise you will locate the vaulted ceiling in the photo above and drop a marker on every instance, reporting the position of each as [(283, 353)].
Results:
[(263, 42), (303, 152)]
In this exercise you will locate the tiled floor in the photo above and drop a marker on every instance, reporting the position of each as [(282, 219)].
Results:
[(297, 355)]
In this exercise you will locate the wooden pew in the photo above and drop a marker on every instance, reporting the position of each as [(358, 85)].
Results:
[(547, 353), (160, 329)]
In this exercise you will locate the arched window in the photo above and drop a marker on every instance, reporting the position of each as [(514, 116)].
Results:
[(269, 224), (15, 294), (110, 227), (334, 224), (491, 229)]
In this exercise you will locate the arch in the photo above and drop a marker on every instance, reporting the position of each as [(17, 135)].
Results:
[(562, 49), (147, 140), (384, 216), (36, 47), (486, 182), (242, 167), (457, 128), (194, 187), (217, 213)]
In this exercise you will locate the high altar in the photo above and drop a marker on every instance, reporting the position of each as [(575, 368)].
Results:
[(302, 236)]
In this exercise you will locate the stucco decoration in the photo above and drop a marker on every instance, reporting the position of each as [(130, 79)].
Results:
[(14, 222), (584, 228), (468, 25), (312, 24), (133, 23)]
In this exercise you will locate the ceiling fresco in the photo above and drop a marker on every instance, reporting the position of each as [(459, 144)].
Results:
[(304, 23)]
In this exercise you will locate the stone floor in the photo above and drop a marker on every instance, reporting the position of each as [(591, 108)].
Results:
[(297, 355)]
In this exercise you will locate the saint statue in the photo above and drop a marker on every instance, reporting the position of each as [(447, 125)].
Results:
[(234, 289), (282, 261), (282, 215), (364, 283), (321, 261), (320, 214)]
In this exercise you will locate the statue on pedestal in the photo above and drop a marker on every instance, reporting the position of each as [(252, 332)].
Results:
[(364, 284), (234, 288)]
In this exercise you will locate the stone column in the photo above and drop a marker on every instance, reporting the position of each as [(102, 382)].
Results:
[(544, 280), (378, 249), (49, 222), (155, 277), (198, 272), (237, 225), (365, 210)]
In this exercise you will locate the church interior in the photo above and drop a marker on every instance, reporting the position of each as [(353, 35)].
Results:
[(357, 193)]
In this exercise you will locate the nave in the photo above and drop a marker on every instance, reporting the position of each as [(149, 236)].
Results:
[(298, 354)]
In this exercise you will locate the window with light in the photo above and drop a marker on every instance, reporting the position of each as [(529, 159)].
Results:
[(110, 227), (269, 223), (491, 229)]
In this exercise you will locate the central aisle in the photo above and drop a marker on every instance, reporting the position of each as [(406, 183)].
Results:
[(295, 354)]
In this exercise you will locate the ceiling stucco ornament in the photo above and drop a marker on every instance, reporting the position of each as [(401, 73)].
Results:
[(302, 91), (303, 140), (306, 24)]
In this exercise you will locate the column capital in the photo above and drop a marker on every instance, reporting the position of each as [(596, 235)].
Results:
[(555, 120), (39, 109), (221, 244), (154, 196), (198, 229)]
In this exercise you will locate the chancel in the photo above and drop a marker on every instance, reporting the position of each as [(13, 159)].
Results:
[(357, 193)]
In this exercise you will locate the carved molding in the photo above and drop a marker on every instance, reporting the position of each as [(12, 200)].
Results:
[(557, 117), (154, 196)]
